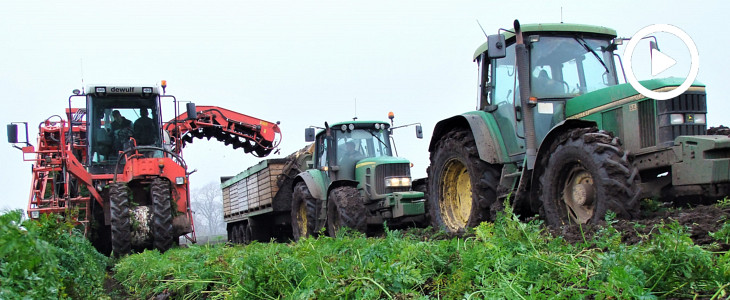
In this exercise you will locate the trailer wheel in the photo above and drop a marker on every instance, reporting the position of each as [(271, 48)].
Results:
[(586, 175), (346, 208), (236, 233), (121, 225), (303, 212), (461, 186), (246, 233), (162, 214)]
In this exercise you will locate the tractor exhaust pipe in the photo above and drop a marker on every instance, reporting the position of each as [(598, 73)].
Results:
[(523, 77)]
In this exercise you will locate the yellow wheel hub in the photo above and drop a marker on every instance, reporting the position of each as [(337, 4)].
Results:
[(456, 201), (579, 195), (302, 219)]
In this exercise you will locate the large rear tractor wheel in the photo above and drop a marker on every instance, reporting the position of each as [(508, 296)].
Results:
[(461, 186), (586, 175), (162, 233), (121, 225), (346, 208), (303, 212)]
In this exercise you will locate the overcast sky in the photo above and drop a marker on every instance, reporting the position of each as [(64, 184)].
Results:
[(299, 62)]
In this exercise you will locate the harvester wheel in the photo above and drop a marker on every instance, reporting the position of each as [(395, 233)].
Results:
[(346, 208), (461, 186), (162, 233), (303, 212), (121, 225), (586, 175)]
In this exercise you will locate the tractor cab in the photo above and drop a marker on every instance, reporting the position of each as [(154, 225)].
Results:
[(349, 143), (119, 118), (565, 61)]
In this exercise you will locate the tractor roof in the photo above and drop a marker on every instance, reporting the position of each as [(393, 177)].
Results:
[(121, 89), (552, 27), (359, 123)]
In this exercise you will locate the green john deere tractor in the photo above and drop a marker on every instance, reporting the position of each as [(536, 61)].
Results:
[(355, 181), (557, 134)]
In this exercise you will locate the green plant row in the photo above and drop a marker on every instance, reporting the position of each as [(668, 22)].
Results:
[(47, 259), (506, 259)]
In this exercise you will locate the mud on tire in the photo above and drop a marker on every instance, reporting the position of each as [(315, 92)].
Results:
[(303, 212), (162, 232), (586, 175), (461, 186), (121, 225), (346, 208)]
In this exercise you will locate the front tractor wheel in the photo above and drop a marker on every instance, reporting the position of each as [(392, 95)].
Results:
[(586, 175), (461, 186), (121, 224), (162, 232), (303, 212), (345, 208)]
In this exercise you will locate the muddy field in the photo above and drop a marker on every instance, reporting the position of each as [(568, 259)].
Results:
[(700, 221)]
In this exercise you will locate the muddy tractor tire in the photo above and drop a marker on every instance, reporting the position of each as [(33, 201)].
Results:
[(303, 212), (121, 224), (162, 231), (346, 208), (461, 186), (586, 175)]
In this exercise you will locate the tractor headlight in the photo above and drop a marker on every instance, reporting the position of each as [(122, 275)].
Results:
[(34, 214), (100, 89), (179, 180), (676, 119), (397, 181)]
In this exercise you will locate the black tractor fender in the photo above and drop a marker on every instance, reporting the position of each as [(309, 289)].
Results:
[(544, 149), (340, 183), (486, 141)]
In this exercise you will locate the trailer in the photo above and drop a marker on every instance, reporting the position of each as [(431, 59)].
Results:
[(257, 201)]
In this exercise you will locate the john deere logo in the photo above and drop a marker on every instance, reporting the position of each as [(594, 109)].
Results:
[(690, 118)]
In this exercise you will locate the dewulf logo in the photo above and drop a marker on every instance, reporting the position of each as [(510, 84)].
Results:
[(121, 89)]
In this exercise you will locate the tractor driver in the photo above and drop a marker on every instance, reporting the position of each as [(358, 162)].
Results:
[(144, 129), (121, 130), (351, 154)]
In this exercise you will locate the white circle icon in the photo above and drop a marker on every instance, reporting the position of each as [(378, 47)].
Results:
[(694, 68)]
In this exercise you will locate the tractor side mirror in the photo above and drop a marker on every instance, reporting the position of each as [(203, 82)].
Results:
[(192, 113), (309, 134), (12, 133), (497, 48), (419, 131)]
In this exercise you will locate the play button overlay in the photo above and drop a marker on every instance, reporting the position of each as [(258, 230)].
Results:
[(660, 62)]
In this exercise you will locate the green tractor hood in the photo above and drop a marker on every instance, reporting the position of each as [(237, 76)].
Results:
[(589, 103)]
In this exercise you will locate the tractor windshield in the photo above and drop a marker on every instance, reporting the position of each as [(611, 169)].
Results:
[(116, 121), (362, 143), (569, 66)]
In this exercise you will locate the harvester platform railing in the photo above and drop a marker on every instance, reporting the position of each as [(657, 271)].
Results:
[(58, 175)]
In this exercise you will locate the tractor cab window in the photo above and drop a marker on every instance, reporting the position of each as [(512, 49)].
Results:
[(321, 155), (116, 123), (362, 143), (358, 144), (566, 67), (505, 88)]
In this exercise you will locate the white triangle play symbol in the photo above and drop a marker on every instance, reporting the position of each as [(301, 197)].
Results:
[(660, 62)]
